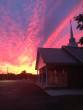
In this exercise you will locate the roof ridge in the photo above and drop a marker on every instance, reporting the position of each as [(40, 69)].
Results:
[(73, 55)]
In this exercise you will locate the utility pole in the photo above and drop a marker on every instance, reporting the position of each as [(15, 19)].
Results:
[(7, 70)]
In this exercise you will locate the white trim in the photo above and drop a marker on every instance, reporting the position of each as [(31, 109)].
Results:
[(46, 77)]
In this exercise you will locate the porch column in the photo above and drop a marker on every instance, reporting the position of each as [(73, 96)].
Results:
[(46, 77), (37, 75), (42, 79)]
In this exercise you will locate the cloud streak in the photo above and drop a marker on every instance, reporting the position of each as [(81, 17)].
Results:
[(62, 29), (19, 48), (27, 25)]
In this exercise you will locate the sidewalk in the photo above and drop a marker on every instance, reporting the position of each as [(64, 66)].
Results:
[(60, 92), (64, 92)]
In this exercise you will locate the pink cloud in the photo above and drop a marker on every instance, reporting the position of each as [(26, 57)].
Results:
[(63, 25), (18, 49)]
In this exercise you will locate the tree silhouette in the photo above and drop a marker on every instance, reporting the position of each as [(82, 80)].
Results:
[(79, 20), (81, 41)]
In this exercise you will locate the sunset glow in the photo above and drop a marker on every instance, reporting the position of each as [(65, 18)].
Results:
[(27, 25)]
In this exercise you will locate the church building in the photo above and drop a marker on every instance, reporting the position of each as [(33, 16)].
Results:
[(61, 67)]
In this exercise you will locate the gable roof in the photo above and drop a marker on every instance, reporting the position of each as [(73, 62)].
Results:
[(76, 53), (64, 55)]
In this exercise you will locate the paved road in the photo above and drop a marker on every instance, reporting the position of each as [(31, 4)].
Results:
[(23, 95)]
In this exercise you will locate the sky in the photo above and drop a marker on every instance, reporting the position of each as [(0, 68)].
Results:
[(26, 25)]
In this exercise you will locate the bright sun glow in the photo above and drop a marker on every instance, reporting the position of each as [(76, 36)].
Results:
[(17, 69)]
